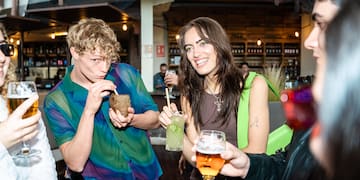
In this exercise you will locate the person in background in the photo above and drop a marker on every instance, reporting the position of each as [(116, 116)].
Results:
[(244, 66), (296, 162), (159, 83), (211, 86), (59, 75), (14, 129), (94, 139), (336, 140)]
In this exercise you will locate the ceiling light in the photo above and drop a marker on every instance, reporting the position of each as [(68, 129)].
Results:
[(297, 34), (64, 33), (258, 42), (124, 27), (52, 35)]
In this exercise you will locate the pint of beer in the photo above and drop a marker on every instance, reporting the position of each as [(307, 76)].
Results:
[(18, 92), (211, 143)]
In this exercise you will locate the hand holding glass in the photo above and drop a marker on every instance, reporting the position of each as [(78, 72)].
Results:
[(170, 86), (208, 148), (17, 93), (175, 132)]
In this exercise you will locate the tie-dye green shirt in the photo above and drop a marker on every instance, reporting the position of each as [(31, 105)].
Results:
[(124, 153)]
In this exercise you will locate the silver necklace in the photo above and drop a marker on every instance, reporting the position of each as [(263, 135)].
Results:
[(218, 101)]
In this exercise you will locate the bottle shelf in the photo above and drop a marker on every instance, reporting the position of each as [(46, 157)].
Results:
[(43, 60), (258, 57)]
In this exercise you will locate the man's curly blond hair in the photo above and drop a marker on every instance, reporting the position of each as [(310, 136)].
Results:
[(91, 34), (10, 75)]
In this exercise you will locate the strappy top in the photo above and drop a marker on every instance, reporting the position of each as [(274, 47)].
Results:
[(209, 115)]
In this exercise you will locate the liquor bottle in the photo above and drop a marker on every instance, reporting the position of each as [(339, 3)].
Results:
[(288, 83)]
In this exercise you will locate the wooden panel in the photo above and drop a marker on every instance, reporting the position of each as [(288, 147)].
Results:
[(275, 22)]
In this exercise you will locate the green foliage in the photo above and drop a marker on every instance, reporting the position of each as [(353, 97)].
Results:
[(276, 77)]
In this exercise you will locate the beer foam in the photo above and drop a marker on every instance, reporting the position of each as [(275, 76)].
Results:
[(209, 148), (22, 96), (19, 90)]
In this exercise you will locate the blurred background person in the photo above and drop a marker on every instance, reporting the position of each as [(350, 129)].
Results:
[(159, 82), (14, 129), (336, 140), (244, 66)]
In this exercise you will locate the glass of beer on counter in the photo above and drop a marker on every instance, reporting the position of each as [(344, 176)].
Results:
[(175, 132), (18, 92), (208, 148)]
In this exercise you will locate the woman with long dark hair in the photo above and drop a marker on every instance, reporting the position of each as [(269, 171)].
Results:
[(212, 87)]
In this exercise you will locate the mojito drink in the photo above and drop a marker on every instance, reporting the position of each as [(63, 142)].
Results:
[(175, 133)]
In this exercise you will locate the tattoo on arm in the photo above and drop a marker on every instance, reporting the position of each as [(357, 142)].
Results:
[(254, 123)]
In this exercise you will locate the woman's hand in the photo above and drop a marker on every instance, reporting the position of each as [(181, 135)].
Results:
[(166, 113), (15, 129)]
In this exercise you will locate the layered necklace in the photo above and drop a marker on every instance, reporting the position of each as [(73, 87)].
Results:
[(218, 101)]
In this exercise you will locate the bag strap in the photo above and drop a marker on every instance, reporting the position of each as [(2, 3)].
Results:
[(243, 109), (243, 113)]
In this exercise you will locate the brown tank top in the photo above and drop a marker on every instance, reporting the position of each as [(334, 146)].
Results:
[(209, 115)]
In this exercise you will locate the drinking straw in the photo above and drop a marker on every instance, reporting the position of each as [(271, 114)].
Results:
[(167, 97), (116, 92)]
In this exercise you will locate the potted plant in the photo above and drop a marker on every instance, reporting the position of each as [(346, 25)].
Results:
[(275, 76)]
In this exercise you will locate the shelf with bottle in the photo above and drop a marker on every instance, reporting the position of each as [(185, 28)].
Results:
[(43, 54), (291, 49), (174, 50), (238, 50), (47, 61), (174, 55), (292, 73), (42, 61), (273, 49), (267, 54), (253, 49), (43, 49)]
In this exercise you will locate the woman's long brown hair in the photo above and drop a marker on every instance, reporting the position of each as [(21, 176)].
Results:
[(229, 76)]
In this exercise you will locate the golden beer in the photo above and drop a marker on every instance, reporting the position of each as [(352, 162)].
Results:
[(17, 93), (208, 148), (14, 102), (209, 163)]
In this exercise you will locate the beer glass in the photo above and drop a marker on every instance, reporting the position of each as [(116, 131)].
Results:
[(18, 92), (170, 86), (208, 148)]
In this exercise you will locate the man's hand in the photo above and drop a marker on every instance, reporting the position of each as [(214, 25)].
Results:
[(118, 120), (237, 162), (96, 92), (171, 79)]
